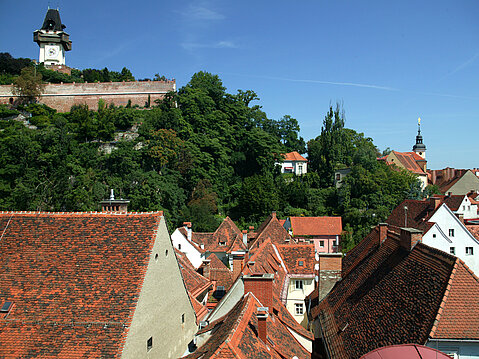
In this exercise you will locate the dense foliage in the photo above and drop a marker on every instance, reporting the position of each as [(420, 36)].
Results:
[(200, 154)]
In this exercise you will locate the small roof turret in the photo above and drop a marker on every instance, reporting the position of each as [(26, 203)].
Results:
[(419, 147)]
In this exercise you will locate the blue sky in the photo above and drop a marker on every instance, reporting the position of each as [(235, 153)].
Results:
[(387, 62)]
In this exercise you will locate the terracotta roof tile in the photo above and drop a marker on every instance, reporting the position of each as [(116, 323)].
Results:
[(298, 258), (389, 295), (271, 229), (316, 226), (195, 283), (294, 156), (74, 278)]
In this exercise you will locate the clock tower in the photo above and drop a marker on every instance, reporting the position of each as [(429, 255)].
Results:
[(53, 41)]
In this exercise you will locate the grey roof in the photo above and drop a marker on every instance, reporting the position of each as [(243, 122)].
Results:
[(52, 21)]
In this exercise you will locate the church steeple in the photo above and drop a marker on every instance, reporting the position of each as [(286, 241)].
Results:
[(419, 147)]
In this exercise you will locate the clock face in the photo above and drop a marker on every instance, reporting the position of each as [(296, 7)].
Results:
[(52, 51)]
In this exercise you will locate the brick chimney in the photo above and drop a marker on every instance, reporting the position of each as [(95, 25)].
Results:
[(435, 202), (383, 232), (262, 316), (410, 237), (238, 263), (261, 285), (251, 228), (206, 268)]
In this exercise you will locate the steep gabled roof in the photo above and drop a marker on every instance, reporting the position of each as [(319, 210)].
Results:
[(219, 272), (74, 279), (294, 156), (236, 335), (195, 283), (393, 296), (220, 240), (416, 216), (271, 229), (316, 226), (52, 21), (409, 161)]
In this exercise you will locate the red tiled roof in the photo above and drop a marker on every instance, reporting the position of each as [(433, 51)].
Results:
[(393, 296), (293, 254), (236, 336), (225, 234), (273, 230), (418, 214), (316, 226), (294, 156), (219, 272), (409, 161), (474, 229), (200, 309), (74, 278), (461, 300), (453, 201), (195, 283)]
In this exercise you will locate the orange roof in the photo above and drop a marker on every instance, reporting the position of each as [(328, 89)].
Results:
[(409, 161), (294, 156), (316, 226)]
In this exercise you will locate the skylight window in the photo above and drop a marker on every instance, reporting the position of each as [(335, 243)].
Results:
[(6, 307)]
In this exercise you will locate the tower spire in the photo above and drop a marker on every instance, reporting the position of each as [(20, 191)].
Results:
[(419, 147)]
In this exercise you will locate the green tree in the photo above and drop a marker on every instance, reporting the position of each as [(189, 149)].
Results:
[(28, 86)]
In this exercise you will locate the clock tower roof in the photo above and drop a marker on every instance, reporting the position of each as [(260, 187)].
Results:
[(52, 21)]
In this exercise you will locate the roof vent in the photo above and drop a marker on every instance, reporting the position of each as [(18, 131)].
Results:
[(203, 324), (343, 327)]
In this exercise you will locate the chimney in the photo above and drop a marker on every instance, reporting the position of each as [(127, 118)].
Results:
[(435, 202), (261, 285), (206, 268), (449, 194), (251, 229), (273, 214), (409, 238), (245, 237), (262, 316), (383, 232), (238, 263), (188, 230)]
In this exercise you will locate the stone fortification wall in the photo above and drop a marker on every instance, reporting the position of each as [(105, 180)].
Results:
[(63, 96)]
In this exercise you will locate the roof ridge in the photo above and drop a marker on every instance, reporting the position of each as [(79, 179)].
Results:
[(444, 299), (79, 213)]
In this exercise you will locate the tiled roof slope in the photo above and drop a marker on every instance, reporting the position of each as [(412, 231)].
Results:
[(226, 233), (236, 336), (453, 201), (74, 278), (293, 254), (461, 300), (316, 226), (219, 272), (409, 161), (195, 283), (294, 156), (273, 230), (393, 296), (418, 212)]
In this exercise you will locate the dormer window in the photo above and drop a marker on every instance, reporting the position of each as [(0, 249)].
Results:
[(7, 305), (222, 243)]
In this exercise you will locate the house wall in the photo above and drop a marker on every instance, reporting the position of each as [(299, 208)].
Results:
[(299, 167), (162, 302), (296, 296), (63, 96), (456, 349), (468, 210), (439, 237), (227, 303), (328, 244), (182, 244), (465, 184)]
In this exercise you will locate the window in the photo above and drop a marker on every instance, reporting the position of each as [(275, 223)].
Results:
[(451, 232), (183, 318), (222, 243), (434, 235), (298, 308), (452, 250), (463, 208), (338, 177), (300, 169), (298, 284), (469, 251), (179, 246), (321, 244), (149, 344), (300, 263)]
